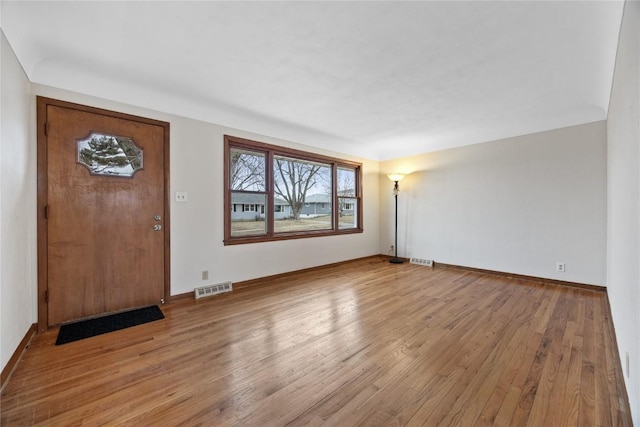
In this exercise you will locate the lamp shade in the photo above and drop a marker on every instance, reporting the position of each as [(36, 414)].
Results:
[(395, 177)]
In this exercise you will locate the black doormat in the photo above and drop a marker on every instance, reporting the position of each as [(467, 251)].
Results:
[(102, 325)]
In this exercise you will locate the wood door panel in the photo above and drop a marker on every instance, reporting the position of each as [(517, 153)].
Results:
[(103, 254)]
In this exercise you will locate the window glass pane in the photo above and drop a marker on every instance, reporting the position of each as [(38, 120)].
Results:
[(348, 213), (346, 182), (247, 214), (275, 193), (303, 189), (247, 170)]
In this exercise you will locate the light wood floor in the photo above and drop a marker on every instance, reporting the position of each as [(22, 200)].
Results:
[(363, 343)]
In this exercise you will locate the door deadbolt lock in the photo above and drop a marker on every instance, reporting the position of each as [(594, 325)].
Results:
[(157, 227), (157, 217)]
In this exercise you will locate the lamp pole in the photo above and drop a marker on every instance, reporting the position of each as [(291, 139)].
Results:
[(396, 189)]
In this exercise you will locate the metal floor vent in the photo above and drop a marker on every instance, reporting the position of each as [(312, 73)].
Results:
[(210, 290), (420, 261)]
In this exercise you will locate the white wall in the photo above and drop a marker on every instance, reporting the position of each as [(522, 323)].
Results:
[(17, 207), (517, 205), (197, 226), (623, 231)]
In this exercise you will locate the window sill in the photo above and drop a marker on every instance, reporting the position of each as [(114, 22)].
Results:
[(288, 236)]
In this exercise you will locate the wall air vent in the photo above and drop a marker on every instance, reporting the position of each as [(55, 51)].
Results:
[(211, 290)]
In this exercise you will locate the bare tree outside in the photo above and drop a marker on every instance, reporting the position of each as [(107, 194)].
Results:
[(247, 171), (294, 179)]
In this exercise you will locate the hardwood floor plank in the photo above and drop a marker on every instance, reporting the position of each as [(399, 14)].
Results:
[(558, 380), (550, 366), (617, 393), (603, 415), (505, 413), (359, 344), (504, 342), (586, 414)]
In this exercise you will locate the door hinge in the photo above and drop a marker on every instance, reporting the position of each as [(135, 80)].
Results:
[(46, 212), (46, 295), (46, 128)]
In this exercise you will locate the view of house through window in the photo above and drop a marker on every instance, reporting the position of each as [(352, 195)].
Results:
[(275, 193), (347, 201), (247, 181)]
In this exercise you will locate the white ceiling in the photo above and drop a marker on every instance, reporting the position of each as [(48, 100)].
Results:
[(379, 79)]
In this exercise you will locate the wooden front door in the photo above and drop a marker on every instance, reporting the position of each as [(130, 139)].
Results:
[(102, 196)]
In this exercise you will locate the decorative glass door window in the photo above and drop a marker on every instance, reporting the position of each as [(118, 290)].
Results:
[(109, 155)]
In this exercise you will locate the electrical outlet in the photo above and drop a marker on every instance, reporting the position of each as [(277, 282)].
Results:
[(561, 267), (205, 275), (181, 196), (391, 250), (627, 364)]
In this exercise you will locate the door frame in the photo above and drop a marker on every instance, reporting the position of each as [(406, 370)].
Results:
[(43, 200)]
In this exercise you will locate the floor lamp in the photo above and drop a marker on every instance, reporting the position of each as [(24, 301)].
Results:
[(396, 178)]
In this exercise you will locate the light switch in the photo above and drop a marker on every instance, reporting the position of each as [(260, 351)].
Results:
[(181, 196)]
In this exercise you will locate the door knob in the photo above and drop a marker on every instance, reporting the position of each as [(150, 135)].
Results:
[(157, 227), (157, 217)]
